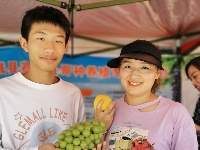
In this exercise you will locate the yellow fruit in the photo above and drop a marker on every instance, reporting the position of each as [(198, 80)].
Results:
[(106, 100)]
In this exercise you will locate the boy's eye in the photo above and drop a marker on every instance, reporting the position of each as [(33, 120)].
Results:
[(59, 42), (126, 66)]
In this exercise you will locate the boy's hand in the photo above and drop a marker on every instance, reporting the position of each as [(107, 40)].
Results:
[(48, 146)]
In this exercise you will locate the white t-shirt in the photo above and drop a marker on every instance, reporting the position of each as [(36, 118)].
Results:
[(168, 127), (32, 114)]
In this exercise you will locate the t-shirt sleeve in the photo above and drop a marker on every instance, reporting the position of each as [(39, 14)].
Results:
[(184, 136)]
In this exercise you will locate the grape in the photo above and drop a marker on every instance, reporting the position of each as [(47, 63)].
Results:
[(88, 140), (91, 137), (67, 132), (83, 135), (95, 122), (96, 129), (101, 135), (57, 144), (91, 146), (75, 132), (63, 144), (87, 127), (97, 141), (96, 136), (80, 127), (102, 124), (86, 133), (76, 141), (83, 145), (69, 139), (61, 136), (87, 123), (69, 147), (77, 148)]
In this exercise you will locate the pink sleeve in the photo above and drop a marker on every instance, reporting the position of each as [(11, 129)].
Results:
[(184, 136)]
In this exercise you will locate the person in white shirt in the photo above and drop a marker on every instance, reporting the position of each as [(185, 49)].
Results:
[(37, 105)]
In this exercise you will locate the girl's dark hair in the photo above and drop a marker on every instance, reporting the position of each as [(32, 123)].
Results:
[(156, 85), (195, 62), (44, 14)]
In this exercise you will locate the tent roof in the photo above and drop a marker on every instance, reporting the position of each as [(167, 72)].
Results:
[(115, 25)]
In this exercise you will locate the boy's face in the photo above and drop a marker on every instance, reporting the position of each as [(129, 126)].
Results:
[(137, 77), (46, 46)]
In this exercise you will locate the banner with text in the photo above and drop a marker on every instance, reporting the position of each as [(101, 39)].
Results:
[(89, 73)]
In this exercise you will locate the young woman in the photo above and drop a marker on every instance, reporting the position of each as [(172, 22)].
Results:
[(143, 119)]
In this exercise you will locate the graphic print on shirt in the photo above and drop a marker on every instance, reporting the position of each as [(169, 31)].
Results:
[(128, 138), (44, 132)]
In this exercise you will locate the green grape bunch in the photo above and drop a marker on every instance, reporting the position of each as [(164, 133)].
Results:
[(83, 135)]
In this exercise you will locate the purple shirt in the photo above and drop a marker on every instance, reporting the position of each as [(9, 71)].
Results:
[(168, 127)]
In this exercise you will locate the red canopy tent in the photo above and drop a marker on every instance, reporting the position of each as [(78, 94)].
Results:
[(111, 24)]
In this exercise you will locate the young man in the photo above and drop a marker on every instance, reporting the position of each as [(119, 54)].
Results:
[(37, 105), (142, 119)]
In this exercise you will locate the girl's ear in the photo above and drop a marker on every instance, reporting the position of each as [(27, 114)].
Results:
[(23, 44), (158, 74)]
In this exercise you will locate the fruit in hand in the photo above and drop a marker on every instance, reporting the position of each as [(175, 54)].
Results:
[(106, 102), (83, 135)]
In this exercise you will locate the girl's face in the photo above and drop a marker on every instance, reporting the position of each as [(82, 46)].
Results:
[(138, 77), (194, 75)]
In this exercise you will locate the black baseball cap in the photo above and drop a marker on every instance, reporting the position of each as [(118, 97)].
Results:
[(139, 50)]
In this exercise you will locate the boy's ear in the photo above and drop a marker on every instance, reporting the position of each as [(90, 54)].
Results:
[(66, 47), (23, 44)]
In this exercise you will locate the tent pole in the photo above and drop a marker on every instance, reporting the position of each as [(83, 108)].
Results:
[(79, 7), (176, 72), (71, 15), (105, 4)]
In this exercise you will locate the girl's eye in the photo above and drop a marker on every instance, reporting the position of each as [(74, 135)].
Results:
[(145, 68), (42, 39)]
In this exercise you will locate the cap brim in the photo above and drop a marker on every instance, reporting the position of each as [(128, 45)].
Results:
[(114, 63)]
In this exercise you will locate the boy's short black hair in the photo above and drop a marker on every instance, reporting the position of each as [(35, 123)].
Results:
[(44, 14)]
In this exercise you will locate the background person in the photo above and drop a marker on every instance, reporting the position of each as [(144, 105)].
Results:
[(192, 70)]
